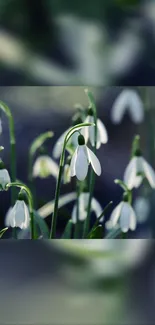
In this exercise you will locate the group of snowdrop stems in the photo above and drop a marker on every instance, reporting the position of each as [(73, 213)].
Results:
[(91, 129)]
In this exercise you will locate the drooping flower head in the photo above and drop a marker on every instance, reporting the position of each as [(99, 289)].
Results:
[(138, 169), (124, 215), (18, 216), (4, 176), (127, 100), (44, 167), (81, 159), (89, 132)]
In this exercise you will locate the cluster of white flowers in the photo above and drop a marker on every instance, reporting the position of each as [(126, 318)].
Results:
[(80, 157)]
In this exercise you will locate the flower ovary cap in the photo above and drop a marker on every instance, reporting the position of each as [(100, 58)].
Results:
[(125, 197), (81, 140), (22, 196), (42, 151), (90, 111), (2, 166), (138, 153)]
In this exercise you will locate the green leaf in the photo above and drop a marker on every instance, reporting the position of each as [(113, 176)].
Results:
[(38, 142), (98, 219), (5, 109), (42, 225), (48, 208), (97, 233), (68, 230), (3, 231), (1, 148)]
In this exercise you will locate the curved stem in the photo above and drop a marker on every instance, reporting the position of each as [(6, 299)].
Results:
[(61, 165), (30, 200)]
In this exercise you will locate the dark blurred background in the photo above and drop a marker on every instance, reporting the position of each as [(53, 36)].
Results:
[(75, 43)]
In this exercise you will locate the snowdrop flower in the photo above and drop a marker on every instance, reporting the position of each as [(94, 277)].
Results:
[(81, 159), (4, 176), (125, 215), (89, 132), (18, 216), (142, 208), (59, 144), (44, 166), (83, 205), (128, 100), (137, 169)]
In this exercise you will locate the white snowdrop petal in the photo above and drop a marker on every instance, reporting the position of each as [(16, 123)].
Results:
[(138, 181), (149, 172), (52, 166), (125, 217), (4, 178), (74, 139), (102, 131), (142, 209), (92, 131), (130, 173), (72, 164), (7, 217), (45, 166), (119, 107), (96, 207), (94, 162), (58, 145), (19, 214), (12, 216), (116, 214), (136, 107), (36, 168), (133, 220), (74, 214), (81, 164), (27, 217)]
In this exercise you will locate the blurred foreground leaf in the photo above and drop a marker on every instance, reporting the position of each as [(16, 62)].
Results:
[(42, 225)]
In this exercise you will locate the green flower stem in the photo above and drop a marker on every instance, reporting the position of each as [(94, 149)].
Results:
[(30, 200), (61, 165), (76, 230), (92, 174), (135, 145), (8, 113)]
